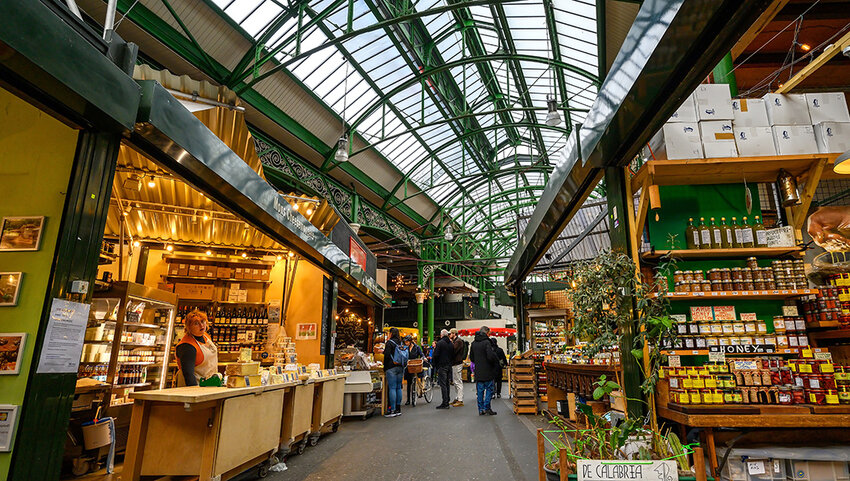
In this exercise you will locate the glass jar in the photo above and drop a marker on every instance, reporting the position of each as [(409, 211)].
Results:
[(759, 284), (747, 274), (798, 394), (725, 274), (784, 396), (688, 276), (737, 274), (714, 274), (739, 286), (699, 275), (678, 276), (717, 286), (752, 263), (706, 285), (817, 396)]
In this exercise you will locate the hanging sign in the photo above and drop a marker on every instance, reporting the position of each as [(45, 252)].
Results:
[(744, 349), (595, 470), (356, 253)]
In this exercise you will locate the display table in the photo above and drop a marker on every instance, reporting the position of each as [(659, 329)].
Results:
[(328, 400), (209, 432)]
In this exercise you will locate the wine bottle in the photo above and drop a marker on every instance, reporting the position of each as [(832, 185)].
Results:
[(716, 235), (692, 235), (704, 234)]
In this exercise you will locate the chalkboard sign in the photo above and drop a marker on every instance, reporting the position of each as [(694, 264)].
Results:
[(744, 349), (328, 308)]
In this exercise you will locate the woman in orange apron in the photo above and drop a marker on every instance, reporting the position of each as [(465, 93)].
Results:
[(197, 356)]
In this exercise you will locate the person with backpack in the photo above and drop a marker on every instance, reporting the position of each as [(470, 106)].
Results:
[(503, 363), (414, 369), (461, 350), (395, 360), (442, 361)]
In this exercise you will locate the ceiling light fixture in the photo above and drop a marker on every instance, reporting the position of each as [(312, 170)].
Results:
[(309, 211), (169, 247), (448, 234), (841, 165), (341, 154), (279, 257), (151, 182), (291, 254), (206, 217), (553, 118), (209, 252), (244, 255), (136, 244), (295, 206), (341, 150), (805, 47)]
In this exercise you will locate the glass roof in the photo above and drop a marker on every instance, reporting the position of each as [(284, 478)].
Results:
[(453, 94)]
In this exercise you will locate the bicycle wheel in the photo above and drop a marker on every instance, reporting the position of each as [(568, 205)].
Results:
[(429, 393)]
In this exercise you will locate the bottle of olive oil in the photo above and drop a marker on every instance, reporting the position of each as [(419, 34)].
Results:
[(692, 235), (736, 234), (746, 234), (716, 235), (760, 233), (704, 234), (726, 240)]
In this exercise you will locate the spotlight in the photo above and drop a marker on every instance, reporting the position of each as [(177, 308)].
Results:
[(169, 247), (309, 211), (805, 47), (244, 255), (291, 254), (553, 118), (295, 206), (209, 252), (279, 257), (206, 217), (136, 244), (151, 182)]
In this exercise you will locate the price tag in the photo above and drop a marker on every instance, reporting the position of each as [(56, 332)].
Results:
[(674, 361), (735, 293), (807, 353), (807, 368), (723, 293), (755, 467), (832, 398), (699, 294), (827, 368), (777, 467), (826, 356), (716, 356)]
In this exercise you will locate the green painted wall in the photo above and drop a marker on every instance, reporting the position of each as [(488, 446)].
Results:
[(36, 155), (678, 202)]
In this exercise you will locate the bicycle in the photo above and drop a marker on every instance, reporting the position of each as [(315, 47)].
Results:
[(424, 386)]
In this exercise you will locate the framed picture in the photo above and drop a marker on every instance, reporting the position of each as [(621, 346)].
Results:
[(306, 331), (21, 233), (8, 424), (10, 286), (11, 347)]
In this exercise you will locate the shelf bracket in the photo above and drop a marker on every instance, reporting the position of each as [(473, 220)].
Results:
[(797, 214)]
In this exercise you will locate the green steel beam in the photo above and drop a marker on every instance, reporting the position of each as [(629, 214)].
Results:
[(556, 54), (466, 61), (207, 59)]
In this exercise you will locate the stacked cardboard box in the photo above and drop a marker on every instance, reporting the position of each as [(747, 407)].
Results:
[(523, 386)]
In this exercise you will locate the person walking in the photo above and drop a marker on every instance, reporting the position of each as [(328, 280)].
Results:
[(414, 352), (503, 363), (461, 349), (394, 372), (441, 359), (486, 363)]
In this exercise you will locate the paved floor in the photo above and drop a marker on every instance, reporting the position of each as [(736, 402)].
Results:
[(425, 444)]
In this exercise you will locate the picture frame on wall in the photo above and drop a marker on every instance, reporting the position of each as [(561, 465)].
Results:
[(306, 331), (10, 288), (21, 233), (11, 348)]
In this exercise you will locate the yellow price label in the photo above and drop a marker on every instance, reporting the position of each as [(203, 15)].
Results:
[(827, 368), (832, 398), (805, 368), (699, 383), (711, 383), (807, 353)]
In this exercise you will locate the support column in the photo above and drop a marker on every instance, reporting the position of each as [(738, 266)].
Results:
[(431, 336), (519, 311), (724, 73), (46, 408), (420, 305), (481, 284), (618, 202)]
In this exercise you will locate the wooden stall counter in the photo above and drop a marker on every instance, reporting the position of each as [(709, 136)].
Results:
[(209, 432), (329, 397), (566, 381)]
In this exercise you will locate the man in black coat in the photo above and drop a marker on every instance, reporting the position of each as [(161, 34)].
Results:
[(441, 359), (483, 356)]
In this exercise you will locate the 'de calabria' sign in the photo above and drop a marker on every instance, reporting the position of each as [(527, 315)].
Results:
[(594, 470)]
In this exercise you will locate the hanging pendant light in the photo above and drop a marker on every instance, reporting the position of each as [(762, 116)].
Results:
[(342, 150), (448, 234), (553, 118), (841, 165)]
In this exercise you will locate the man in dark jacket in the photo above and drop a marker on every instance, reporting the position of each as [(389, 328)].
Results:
[(457, 367), (441, 359), (482, 354)]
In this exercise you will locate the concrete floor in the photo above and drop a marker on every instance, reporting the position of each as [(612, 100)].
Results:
[(425, 444)]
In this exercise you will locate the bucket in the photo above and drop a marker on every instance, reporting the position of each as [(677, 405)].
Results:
[(97, 434)]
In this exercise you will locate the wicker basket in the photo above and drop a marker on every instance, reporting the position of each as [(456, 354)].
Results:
[(557, 300)]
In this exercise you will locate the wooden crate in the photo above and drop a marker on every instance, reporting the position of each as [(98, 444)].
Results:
[(516, 362), (524, 377), (525, 402), (525, 409)]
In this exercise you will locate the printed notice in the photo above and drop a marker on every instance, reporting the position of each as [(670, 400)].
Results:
[(595, 470), (8, 419), (63, 341)]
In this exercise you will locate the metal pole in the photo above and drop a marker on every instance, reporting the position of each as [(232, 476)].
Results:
[(72, 6), (431, 336), (109, 22)]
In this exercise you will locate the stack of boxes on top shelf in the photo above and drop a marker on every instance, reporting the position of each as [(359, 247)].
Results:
[(523, 385), (710, 124)]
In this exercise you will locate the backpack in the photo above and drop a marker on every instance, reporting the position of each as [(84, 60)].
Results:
[(400, 354), (465, 350)]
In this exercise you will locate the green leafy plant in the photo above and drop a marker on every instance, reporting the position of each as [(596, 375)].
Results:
[(604, 387)]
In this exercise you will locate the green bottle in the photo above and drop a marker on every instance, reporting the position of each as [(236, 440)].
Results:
[(692, 235), (725, 235), (716, 235), (704, 234), (746, 234), (760, 233)]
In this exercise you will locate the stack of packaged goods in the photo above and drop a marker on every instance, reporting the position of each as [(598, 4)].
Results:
[(720, 326), (782, 274), (831, 306), (523, 386), (760, 380)]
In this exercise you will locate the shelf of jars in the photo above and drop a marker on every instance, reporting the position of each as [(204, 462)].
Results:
[(730, 253)]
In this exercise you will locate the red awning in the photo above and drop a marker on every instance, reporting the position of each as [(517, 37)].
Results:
[(494, 331)]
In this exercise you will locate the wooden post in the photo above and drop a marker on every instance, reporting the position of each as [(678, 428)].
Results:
[(562, 455), (541, 475), (699, 464), (712, 452)]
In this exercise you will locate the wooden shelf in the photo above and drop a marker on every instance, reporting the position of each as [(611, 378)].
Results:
[(761, 252), (718, 295), (729, 170), (794, 421), (119, 386), (832, 334), (214, 279), (136, 344)]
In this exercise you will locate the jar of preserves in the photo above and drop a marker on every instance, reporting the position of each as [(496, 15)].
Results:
[(817, 396), (828, 382), (759, 284), (747, 274), (728, 285), (752, 263), (706, 285), (785, 376), (775, 377), (844, 395), (714, 274), (784, 396), (725, 274), (798, 394), (739, 286), (749, 286), (737, 274), (781, 341), (717, 286), (696, 286), (699, 275), (688, 276)]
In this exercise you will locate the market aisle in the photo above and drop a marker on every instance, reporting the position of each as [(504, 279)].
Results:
[(424, 444)]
